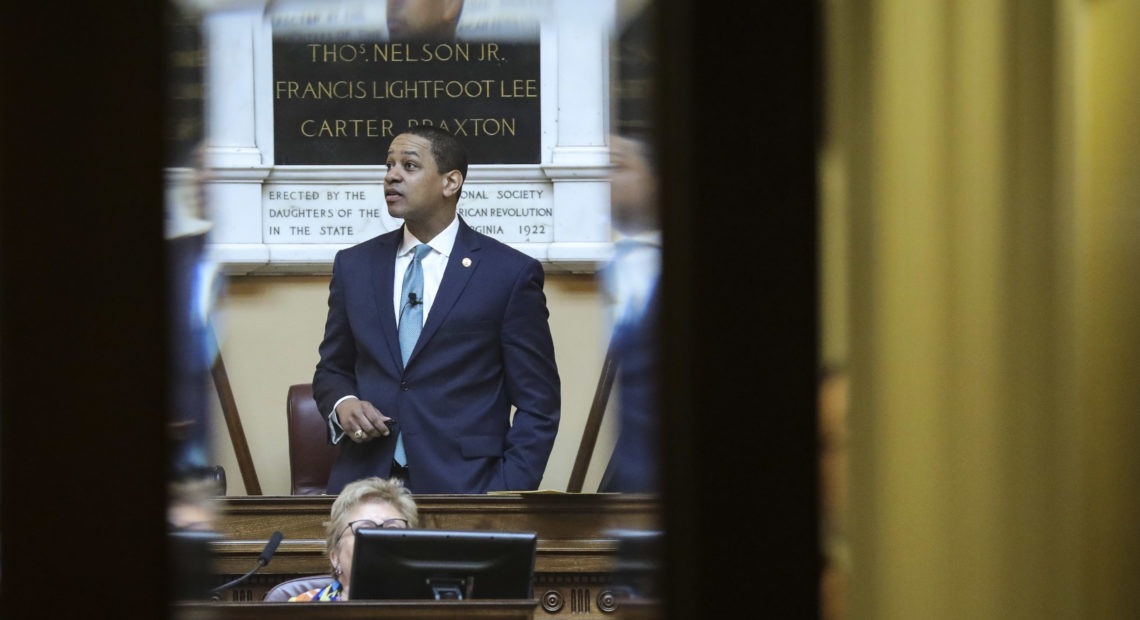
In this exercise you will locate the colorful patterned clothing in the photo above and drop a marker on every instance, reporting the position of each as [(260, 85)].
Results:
[(330, 592)]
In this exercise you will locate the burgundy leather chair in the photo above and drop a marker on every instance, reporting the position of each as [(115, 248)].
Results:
[(311, 456)]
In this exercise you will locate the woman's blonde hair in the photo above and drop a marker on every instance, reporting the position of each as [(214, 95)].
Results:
[(375, 489)]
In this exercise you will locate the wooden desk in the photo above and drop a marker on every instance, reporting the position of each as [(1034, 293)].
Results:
[(418, 610), (573, 565)]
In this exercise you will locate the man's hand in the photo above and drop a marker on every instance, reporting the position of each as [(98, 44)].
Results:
[(359, 415)]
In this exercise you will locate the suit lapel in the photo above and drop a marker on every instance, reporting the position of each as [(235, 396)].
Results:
[(384, 259), (455, 279)]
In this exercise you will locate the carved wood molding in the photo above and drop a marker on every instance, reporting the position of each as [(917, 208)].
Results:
[(569, 517)]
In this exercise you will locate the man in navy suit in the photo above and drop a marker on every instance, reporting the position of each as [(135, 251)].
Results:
[(631, 280), (485, 344)]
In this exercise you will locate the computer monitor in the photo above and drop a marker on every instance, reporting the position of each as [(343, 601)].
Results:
[(441, 564)]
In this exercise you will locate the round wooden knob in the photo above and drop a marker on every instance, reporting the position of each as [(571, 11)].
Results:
[(607, 602), (552, 601)]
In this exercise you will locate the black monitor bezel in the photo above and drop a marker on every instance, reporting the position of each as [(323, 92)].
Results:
[(406, 564)]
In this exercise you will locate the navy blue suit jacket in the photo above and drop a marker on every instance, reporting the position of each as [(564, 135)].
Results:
[(485, 346), (633, 467)]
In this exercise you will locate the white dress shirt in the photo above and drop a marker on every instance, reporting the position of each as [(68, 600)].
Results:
[(632, 275), (433, 265)]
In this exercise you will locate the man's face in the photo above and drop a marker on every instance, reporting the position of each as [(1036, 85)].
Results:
[(413, 185), (633, 188)]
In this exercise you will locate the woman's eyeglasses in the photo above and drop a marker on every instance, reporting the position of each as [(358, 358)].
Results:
[(395, 523)]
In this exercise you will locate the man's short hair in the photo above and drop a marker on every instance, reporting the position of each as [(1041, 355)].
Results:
[(446, 149)]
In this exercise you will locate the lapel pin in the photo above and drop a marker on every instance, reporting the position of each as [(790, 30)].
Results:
[(466, 262)]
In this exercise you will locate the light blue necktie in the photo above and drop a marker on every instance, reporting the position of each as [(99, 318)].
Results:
[(411, 321)]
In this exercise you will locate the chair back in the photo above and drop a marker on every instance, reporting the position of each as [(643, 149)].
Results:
[(311, 456), (282, 592)]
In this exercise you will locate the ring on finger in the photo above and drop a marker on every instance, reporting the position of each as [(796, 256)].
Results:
[(359, 434)]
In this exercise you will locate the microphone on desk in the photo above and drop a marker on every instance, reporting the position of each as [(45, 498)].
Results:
[(262, 560), (270, 549)]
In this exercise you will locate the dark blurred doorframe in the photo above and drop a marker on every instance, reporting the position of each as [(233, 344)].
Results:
[(83, 317), (738, 97)]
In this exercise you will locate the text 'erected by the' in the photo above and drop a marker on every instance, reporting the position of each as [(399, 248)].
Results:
[(324, 214)]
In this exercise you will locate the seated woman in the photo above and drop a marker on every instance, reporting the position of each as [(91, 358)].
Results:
[(370, 502)]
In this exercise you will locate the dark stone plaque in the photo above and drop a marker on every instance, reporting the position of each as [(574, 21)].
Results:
[(342, 102), (184, 62)]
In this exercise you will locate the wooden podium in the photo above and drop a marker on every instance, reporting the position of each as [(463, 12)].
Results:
[(573, 565)]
